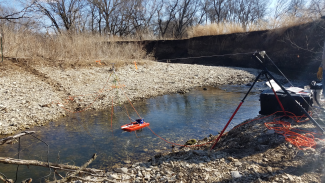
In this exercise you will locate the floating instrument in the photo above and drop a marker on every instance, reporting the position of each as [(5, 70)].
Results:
[(137, 125)]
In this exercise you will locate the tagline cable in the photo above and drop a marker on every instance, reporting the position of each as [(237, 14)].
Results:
[(208, 56)]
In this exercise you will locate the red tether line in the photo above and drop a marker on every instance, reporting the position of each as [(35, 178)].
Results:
[(112, 114), (227, 124), (276, 96), (130, 101)]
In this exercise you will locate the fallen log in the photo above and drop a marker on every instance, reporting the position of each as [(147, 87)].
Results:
[(8, 140), (91, 171)]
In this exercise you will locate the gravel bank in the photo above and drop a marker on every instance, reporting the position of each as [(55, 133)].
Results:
[(35, 95)]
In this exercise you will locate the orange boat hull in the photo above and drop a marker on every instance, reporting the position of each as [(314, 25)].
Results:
[(134, 126)]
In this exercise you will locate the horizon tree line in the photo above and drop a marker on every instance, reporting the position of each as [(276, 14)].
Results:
[(158, 18)]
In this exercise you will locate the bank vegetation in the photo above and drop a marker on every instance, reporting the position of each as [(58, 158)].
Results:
[(85, 30)]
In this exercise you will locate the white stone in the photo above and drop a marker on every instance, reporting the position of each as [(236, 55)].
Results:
[(140, 174), (235, 174), (147, 176), (114, 176)]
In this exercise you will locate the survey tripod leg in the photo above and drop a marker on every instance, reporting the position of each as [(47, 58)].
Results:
[(242, 101), (259, 57)]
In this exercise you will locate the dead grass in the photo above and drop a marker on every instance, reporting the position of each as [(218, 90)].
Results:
[(231, 27), (67, 48), (87, 48)]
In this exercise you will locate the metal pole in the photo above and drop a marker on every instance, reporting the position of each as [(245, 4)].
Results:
[(233, 115)]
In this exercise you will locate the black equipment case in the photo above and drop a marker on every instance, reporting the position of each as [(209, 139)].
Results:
[(269, 104)]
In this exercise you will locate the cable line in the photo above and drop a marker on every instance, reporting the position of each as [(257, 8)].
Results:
[(231, 54)]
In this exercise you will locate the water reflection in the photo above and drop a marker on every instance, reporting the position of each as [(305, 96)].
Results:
[(175, 117)]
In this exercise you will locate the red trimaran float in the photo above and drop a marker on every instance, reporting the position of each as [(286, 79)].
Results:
[(137, 125)]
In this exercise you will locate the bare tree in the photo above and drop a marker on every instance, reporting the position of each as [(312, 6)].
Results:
[(94, 14), (220, 10), (166, 18), (295, 6), (281, 8), (61, 12), (166, 14), (203, 13), (110, 12), (142, 13), (184, 17), (317, 8), (247, 11), (10, 13)]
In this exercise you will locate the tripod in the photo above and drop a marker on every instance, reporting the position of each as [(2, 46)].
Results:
[(260, 56)]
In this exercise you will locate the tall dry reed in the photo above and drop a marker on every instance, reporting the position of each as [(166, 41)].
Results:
[(231, 27), (24, 43)]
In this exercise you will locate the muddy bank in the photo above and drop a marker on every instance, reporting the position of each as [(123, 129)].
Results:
[(34, 95)]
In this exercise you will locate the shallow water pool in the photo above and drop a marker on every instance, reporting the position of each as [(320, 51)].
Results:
[(176, 118)]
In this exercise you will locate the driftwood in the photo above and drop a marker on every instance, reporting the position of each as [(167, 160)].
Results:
[(77, 171), (74, 169), (5, 180), (96, 179), (27, 180), (90, 171), (8, 140)]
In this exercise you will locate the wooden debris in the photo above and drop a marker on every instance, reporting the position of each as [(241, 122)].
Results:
[(27, 180), (8, 160), (8, 140), (77, 171)]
